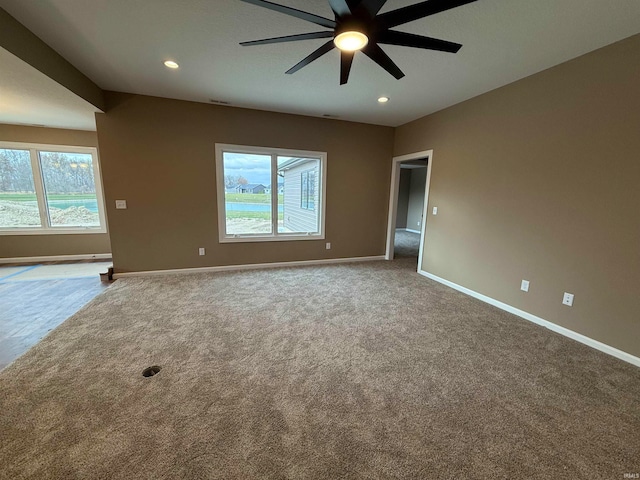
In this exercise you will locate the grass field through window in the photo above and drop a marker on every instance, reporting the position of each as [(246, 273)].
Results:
[(250, 198), (248, 220)]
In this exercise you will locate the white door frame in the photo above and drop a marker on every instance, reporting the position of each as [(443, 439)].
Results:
[(393, 200)]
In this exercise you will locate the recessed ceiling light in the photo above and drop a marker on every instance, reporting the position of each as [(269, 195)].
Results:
[(351, 41), (383, 99), (171, 64)]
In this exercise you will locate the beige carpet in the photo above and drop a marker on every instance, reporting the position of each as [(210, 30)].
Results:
[(406, 244), (362, 371)]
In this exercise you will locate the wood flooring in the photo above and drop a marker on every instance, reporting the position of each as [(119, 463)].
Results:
[(31, 309)]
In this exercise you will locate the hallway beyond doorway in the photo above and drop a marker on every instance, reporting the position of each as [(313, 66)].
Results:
[(406, 244)]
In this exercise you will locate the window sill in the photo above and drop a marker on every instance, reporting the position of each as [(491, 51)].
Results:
[(269, 238), (53, 231)]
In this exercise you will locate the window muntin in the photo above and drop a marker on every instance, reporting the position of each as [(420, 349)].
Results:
[(254, 183), (48, 189)]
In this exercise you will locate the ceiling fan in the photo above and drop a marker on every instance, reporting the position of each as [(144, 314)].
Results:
[(357, 26)]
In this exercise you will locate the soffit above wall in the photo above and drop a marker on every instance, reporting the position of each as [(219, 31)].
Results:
[(121, 45), (28, 97)]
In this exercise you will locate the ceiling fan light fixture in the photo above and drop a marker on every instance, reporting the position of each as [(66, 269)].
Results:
[(354, 21), (351, 41), (171, 64), (383, 99)]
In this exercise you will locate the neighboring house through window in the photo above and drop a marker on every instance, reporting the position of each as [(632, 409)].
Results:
[(250, 209), (308, 190), (48, 189)]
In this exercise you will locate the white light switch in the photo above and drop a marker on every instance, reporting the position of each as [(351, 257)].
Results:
[(435, 210), (121, 204), (567, 299), (524, 286)]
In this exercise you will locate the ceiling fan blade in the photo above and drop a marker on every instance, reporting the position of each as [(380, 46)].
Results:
[(419, 10), (404, 39), (346, 59), (340, 7), (327, 47), (309, 17), (288, 38), (372, 6), (375, 53)]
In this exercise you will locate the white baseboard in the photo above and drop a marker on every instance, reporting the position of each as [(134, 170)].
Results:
[(627, 357), (57, 258), (252, 266)]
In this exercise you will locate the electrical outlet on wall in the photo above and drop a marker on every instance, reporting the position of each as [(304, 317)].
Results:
[(567, 299), (524, 285), (201, 251), (328, 246)]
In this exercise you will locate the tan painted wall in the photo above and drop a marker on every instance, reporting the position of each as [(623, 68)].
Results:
[(44, 245), (53, 136), (541, 180), (159, 155)]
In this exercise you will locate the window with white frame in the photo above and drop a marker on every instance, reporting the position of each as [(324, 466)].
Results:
[(269, 194), (50, 189)]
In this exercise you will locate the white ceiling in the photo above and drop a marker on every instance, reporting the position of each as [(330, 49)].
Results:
[(121, 44)]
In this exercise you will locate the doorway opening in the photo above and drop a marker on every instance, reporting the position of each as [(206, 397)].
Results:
[(410, 177)]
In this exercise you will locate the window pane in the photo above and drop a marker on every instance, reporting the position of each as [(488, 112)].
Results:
[(18, 203), (298, 200), (70, 189), (247, 181)]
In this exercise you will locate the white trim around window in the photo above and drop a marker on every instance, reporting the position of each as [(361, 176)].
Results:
[(276, 234), (39, 186)]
